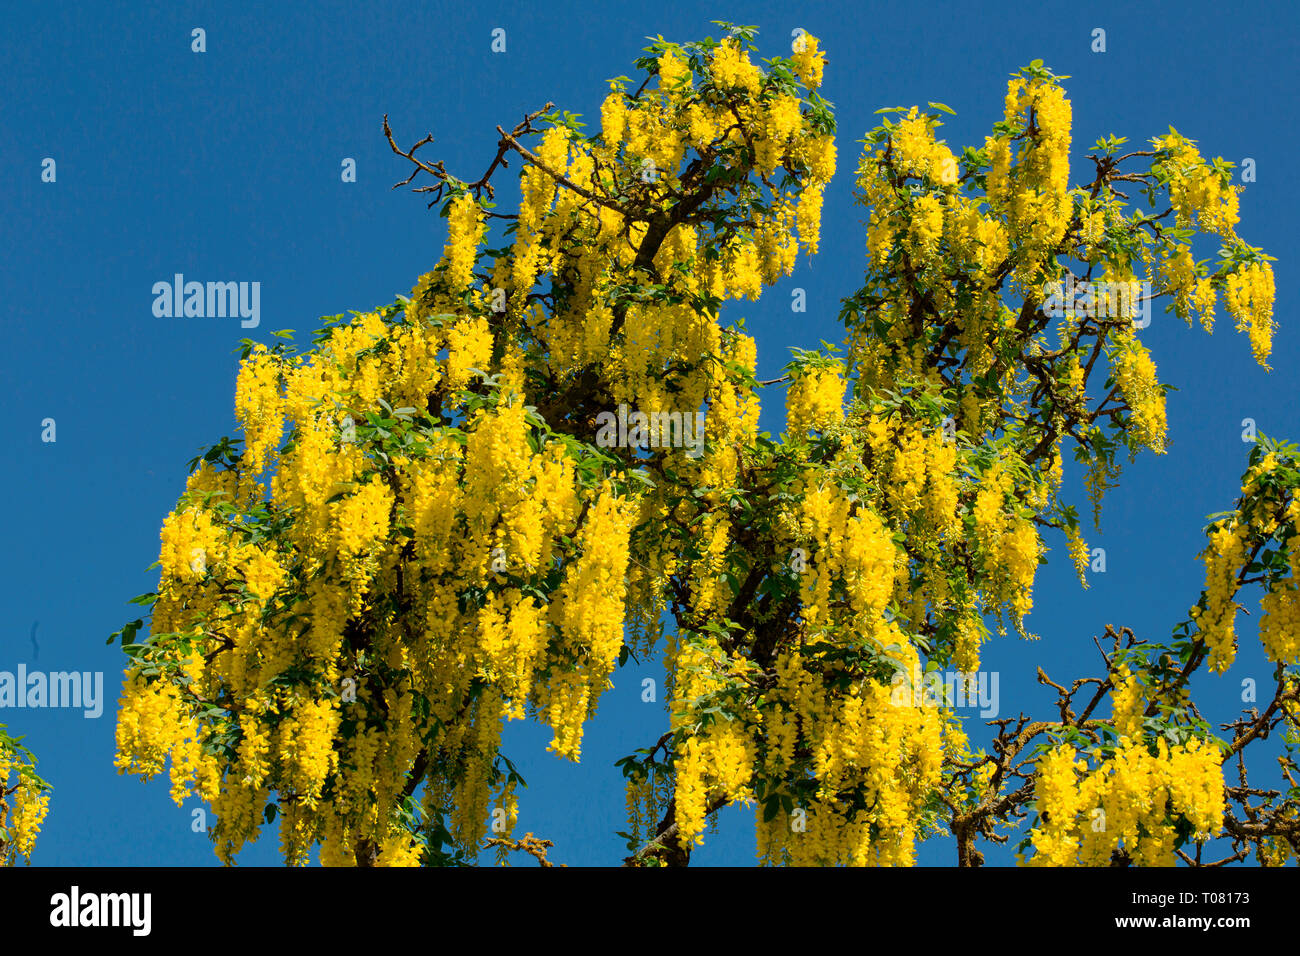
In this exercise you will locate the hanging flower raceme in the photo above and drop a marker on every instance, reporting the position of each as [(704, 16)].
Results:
[(24, 801)]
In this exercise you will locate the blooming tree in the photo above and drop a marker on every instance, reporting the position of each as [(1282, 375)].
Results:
[(428, 528)]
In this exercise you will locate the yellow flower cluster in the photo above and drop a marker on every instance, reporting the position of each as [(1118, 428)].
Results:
[(465, 230), (1009, 542), (926, 227), (1178, 275), (658, 361), (361, 530), (1197, 190), (1129, 702), (1223, 557), (974, 239), (469, 346), (153, 724), (1127, 803), (1035, 186), (1279, 625), (537, 184), (24, 803), (674, 73), (306, 750), (1249, 295), (258, 406), (815, 401), (191, 543), (588, 610), (808, 61), (731, 67), (865, 741), (1203, 300), (363, 519), (717, 763), (852, 546), (918, 154), (912, 151), (1135, 374), (1078, 553)]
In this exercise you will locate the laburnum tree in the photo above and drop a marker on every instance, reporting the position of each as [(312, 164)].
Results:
[(426, 530)]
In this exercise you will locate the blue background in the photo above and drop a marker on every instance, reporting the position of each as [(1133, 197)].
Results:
[(226, 165)]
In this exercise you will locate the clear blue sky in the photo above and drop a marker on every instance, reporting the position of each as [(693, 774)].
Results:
[(226, 165)]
